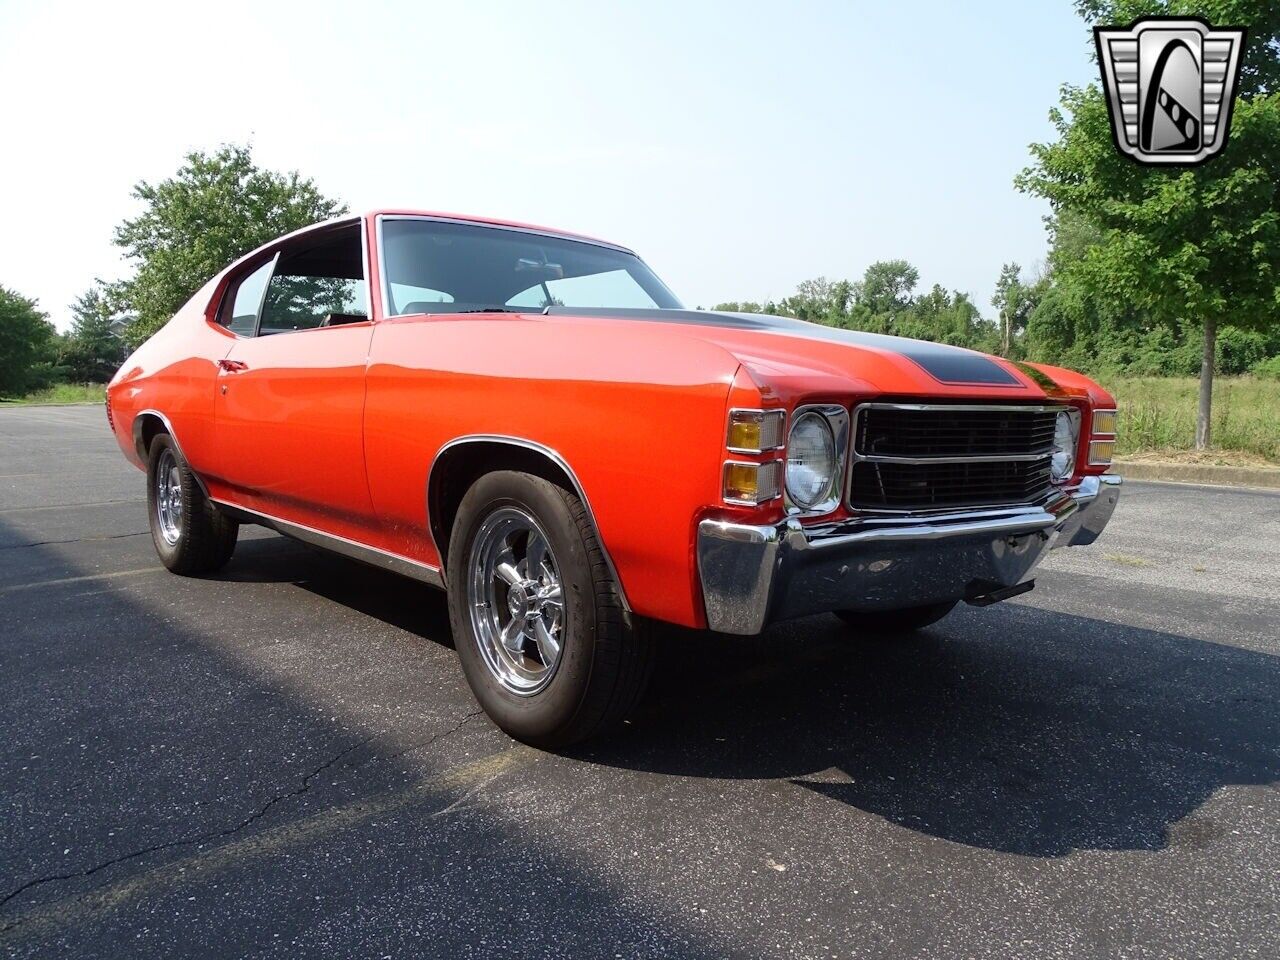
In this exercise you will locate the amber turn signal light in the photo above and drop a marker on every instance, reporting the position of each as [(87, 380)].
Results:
[(751, 484), (755, 431), (1100, 452), (1102, 443)]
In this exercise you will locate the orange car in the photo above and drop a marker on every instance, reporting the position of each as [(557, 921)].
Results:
[(531, 420)]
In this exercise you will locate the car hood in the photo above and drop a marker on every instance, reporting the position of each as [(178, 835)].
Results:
[(798, 356)]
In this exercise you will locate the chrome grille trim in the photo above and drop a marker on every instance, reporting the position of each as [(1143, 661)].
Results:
[(1019, 481), (860, 409)]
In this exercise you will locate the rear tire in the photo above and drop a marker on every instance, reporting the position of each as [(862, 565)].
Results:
[(887, 623), (548, 673), (191, 535)]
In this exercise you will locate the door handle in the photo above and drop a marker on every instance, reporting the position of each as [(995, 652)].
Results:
[(232, 366)]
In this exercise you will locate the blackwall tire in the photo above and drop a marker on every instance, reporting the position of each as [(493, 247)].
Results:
[(191, 535), (538, 623)]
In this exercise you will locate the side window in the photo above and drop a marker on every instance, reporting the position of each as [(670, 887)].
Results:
[(317, 285), (240, 310)]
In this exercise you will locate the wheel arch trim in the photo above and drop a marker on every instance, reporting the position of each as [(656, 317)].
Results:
[(556, 460), (139, 424)]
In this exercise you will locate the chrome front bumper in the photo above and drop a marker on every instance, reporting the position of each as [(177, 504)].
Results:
[(755, 575)]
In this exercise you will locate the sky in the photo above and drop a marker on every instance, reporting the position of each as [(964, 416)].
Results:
[(739, 147)]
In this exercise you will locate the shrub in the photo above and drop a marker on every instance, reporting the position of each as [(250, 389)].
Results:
[(1268, 369), (1239, 350)]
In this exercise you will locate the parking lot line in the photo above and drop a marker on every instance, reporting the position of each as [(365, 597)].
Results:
[(62, 581), (67, 506)]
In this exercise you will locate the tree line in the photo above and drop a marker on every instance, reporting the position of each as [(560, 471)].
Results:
[(34, 355), (1039, 318), (885, 301)]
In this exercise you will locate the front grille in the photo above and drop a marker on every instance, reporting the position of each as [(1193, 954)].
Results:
[(941, 432), (914, 457), (927, 486)]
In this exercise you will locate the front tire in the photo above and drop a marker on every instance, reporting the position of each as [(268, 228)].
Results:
[(191, 535), (886, 623), (537, 620)]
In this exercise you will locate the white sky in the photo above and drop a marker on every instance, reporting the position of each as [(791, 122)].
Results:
[(739, 147)]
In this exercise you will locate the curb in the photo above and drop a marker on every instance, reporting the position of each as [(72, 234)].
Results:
[(1267, 477)]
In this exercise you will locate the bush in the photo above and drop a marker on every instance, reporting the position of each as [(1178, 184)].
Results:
[(1240, 350), (1268, 369)]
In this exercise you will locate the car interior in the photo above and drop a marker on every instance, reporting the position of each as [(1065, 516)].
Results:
[(434, 267), (319, 282)]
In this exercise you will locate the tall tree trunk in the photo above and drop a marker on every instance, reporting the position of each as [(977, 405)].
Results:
[(1206, 383), (1004, 333)]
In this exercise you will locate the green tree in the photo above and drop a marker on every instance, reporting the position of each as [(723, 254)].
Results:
[(216, 208), (1014, 301), (93, 350), (28, 344), (945, 316), (883, 302), (886, 286), (1176, 246), (743, 306), (1072, 323)]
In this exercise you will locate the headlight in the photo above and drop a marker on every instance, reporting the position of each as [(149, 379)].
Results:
[(811, 461), (1063, 463)]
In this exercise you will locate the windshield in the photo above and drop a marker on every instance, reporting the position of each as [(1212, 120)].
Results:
[(440, 267)]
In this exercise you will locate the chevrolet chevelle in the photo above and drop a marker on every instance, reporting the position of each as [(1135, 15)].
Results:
[(532, 420)]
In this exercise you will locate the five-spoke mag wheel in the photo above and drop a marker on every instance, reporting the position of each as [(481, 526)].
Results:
[(516, 601), (168, 496)]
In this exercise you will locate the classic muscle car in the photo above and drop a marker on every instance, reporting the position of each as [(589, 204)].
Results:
[(531, 419)]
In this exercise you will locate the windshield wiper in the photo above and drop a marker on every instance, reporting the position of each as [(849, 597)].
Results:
[(491, 310)]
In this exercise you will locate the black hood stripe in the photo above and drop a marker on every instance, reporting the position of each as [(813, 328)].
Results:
[(954, 366)]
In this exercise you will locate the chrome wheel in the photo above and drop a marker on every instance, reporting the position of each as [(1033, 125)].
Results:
[(169, 497), (516, 601)]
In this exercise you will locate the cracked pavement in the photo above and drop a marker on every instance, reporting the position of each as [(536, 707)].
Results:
[(286, 760)]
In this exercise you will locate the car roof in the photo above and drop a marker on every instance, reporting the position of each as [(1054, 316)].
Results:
[(354, 218)]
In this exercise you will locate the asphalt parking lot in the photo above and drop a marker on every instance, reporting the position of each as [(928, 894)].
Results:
[(285, 759)]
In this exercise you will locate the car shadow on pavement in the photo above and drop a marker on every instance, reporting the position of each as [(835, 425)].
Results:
[(395, 600), (208, 767), (1013, 728)]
